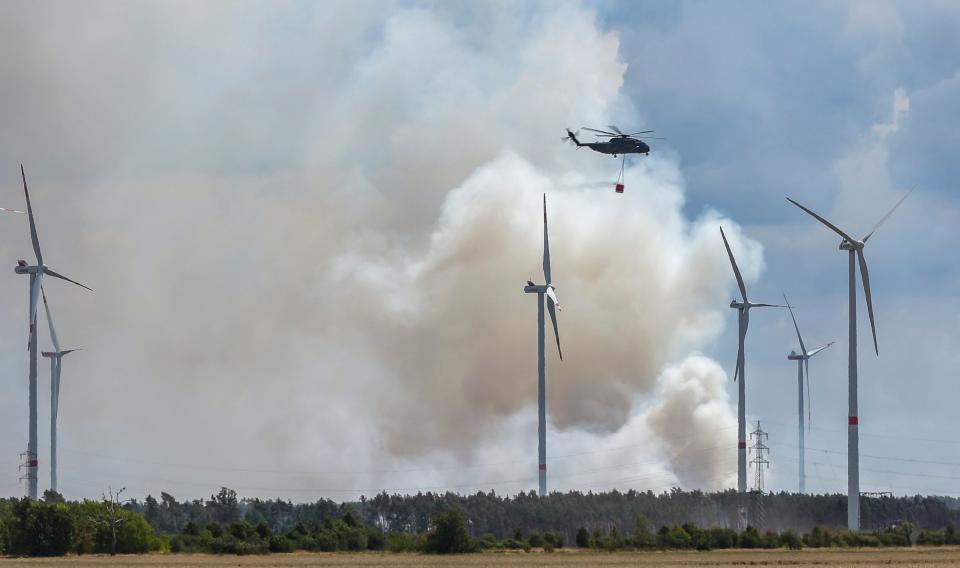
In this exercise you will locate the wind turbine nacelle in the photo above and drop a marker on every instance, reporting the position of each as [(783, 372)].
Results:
[(847, 245), (736, 304), (793, 356), (23, 268), (535, 289)]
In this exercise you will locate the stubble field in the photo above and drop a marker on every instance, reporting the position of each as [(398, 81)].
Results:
[(925, 557)]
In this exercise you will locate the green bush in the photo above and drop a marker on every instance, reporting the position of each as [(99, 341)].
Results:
[(673, 537), (790, 540), (819, 537), (513, 544), (278, 543), (554, 539), (401, 542), (35, 528), (723, 538), (750, 538), (583, 538), (449, 534)]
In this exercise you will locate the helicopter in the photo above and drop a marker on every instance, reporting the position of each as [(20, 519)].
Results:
[(618, 143)]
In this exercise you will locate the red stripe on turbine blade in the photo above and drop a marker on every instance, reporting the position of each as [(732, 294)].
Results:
[(854, 421), (742, 446), (543, 467)]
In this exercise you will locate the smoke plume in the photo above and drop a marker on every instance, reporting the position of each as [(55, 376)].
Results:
[(308, 229)]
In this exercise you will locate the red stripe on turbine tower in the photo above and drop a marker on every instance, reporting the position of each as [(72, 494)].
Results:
[(543, 466), (854, 421), (742, 446)]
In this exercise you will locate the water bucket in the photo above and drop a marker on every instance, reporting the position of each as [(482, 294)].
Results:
[(619, 188)]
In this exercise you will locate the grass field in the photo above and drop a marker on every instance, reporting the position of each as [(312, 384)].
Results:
[(899, 557)]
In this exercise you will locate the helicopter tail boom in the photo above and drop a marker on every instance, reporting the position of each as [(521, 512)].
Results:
[(573, 138)]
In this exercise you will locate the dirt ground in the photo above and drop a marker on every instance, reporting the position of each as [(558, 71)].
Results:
[(910, 557)]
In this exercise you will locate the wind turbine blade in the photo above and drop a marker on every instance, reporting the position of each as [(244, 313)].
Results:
[(33, 225), (551, 307), (553, 296), (824, 221), (887, 216), (736, 367), (62, 277), (35, 297), (53, 331), (766, 306), (11, 210), (819, 349), (742, 323), (865, 275), (795, 326), (546, 245), (55, 387), (736, 271)]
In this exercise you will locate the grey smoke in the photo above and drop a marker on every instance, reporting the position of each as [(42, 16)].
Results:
[(308, 231)]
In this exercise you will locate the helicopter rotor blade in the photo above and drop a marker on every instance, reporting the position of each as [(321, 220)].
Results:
[(615, 129), (601, 131), (641, 132)]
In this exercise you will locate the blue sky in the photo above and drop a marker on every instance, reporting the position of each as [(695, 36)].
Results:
[(762, 100)]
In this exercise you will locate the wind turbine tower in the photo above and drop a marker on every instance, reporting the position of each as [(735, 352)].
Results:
[(553, 305), (803, 368), (56, 357), (854, 249), (36, 273), (743, 320)]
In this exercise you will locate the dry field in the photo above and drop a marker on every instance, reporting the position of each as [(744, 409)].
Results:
[(916, 557)]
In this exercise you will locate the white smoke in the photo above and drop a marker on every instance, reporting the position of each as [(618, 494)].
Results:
[(354, 302)]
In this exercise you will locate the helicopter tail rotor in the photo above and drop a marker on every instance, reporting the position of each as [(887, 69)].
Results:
[(572, 138)]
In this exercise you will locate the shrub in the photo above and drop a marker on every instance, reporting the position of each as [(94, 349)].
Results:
[(790, 540), (554, 539), (35, 528), (449, 534), (583, 538), (819, 537), (280, 543), (723, 538), (750, 538)]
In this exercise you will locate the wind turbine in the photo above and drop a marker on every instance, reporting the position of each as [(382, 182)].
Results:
[(743, 320), (36, 278), (803, 367), (855, 249), (552, 305), (55, 357)]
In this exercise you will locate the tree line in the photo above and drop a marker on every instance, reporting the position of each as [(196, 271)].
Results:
[(449, 522)]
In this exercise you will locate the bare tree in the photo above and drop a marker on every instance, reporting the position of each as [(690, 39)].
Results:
[(110, 518)]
